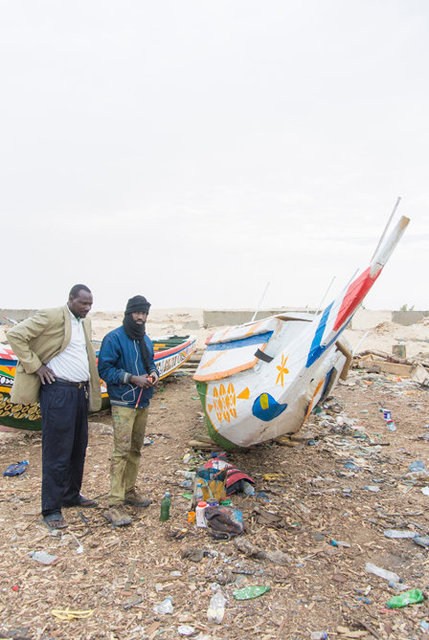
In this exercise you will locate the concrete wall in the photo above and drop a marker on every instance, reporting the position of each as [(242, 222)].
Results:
[(222, 317), (363, 319), (408, 317), (16, 314)]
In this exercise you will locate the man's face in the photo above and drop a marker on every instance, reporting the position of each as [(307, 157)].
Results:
[(139, 316), (81, 305)]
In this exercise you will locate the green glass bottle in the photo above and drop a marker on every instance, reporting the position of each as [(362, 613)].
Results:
[(165, 507)]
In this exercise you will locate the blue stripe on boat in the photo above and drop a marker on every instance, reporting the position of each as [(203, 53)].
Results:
[(243, 342), (316, 349)]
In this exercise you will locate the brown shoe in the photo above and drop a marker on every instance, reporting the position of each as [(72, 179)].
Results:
[(136, 500), (117, 518)]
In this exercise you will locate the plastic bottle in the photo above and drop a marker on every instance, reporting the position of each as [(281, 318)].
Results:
[(16, 469), (216, 609), (198, 490), (199, 514), (395, 533), (248, 489), (390, 576), (165, 507)]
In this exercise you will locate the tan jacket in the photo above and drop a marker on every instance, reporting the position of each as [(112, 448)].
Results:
[(38, 339)]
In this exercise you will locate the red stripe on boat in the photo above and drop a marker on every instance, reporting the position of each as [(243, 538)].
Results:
[(169, 352), (354, 296)]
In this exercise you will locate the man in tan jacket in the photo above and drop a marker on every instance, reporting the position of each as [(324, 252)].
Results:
[(57, 366)]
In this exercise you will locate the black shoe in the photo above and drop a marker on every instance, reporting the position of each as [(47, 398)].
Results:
[(81, 501), (54, 521)]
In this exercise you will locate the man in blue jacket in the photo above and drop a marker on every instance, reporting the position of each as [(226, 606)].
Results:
[(127, 366)]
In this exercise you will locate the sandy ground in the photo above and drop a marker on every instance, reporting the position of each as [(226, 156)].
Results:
[(325, 508)]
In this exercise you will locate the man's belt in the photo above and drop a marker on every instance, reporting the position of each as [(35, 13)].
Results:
[(79, 385)]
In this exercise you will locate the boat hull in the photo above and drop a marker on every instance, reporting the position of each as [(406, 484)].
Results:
[(261, 380), (274, 397), (170, 353)]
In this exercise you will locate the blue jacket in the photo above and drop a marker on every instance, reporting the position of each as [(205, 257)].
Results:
[(118, 360)]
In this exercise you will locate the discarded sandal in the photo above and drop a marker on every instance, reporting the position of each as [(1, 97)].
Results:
[(117, 518)]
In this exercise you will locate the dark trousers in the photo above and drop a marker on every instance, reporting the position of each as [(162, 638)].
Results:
[(64, 411)]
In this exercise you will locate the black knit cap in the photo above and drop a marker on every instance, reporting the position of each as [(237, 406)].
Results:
[(138, 303)]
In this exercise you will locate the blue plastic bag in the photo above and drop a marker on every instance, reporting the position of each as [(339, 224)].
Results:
[(16, 469)]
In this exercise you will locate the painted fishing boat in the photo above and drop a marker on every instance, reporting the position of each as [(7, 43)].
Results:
[(171, 352), (261, 380)]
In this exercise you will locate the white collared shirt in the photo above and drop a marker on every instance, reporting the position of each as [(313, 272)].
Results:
[(72, 363)]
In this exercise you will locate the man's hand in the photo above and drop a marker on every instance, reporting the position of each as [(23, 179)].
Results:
[(144, 382), (45, 374), (155, 377)]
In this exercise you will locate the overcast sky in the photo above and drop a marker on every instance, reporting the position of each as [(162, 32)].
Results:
[(193, 151)]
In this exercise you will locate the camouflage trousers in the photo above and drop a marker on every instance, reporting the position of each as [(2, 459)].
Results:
[(128, 434)]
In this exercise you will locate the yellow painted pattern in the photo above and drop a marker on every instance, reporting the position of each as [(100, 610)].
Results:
[(224, 402), (283, 371), (265, 403)]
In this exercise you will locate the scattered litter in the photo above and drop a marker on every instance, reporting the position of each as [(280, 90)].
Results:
[(319, 635), (250, 550), (273, 476), (390, 576), (425, 491), (394, 533), (165, 507), (248, 593), (387, 415), (69, 614), (418, 465), (278, 557), (147, 442), (44, 558), (345, 631), (263, 496), (132, 602), (248, 489), (186, 630), (349, 464), (413, 596), (372, 487), (165, 607), (339, 543), (223, 522), (16, 469), (195, 555), (423, 541), (216, 609)]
